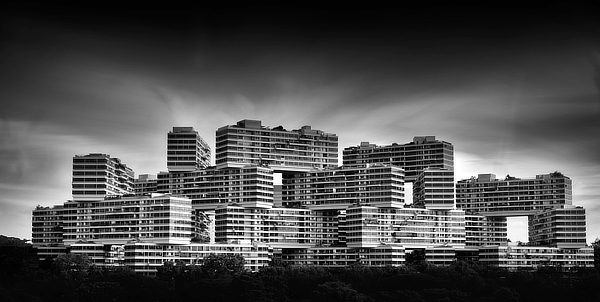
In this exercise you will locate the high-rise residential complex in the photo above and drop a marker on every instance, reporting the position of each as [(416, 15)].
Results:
[(513, 196), (545, 200), (485, 230), (251, 186), (47, 231), (412, 227), (423, 152), (434, 189), (96, 176), (562, 227), (186, 150), (514, 256), (147, 257), (377, 185), (145, 184), (248, 142), (320, 214), (278, 227), (160, 219), (343, 256)]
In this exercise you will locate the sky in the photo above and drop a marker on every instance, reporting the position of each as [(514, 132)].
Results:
[(516, 90)]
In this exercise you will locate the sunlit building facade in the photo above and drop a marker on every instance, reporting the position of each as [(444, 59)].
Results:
[(145, 258), (100, 254), (380, 256), (515, 256), (343, 256)]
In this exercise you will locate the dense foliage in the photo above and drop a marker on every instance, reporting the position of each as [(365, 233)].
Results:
[(222, 278)]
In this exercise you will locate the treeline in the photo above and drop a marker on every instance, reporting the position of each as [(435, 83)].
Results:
[(415, 282), (222, 278), (70, 278)]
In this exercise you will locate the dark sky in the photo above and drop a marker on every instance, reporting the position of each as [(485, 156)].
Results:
[(515, 89)]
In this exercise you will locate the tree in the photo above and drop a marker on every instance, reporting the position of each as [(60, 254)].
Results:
[(596, 246), (17, 260), (215, 265), (416, 257), (336, 291), (202, 232), (171, 269), (13, 241), (72, 264)]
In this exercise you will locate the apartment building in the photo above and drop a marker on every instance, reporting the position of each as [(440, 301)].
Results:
[(423, 152), (145, 258), (100, 254), (514, 256), (249, 186), (485, 230), (434, 189), (145, 184), (336, 189), (562, 227), (186, 150), (280, 228), (369, 227), (96, 176), (382, 255), (249, 142), (161, 219), (511, 196), (47, 231), (343, 256)]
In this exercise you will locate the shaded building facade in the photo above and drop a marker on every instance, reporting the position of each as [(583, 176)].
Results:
[(376, 184), (511, 196), (186, 150), (423, 152), (96, 176), (249, 142)]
